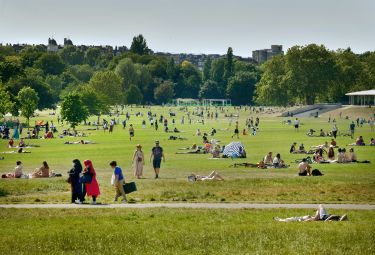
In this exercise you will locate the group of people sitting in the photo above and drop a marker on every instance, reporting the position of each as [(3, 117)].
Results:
[(41, 172), (275, 162), (209, 147), (342, 155)]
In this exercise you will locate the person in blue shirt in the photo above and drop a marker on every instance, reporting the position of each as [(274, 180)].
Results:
[(118, 182)]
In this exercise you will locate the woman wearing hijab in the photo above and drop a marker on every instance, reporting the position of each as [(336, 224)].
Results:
[(74, 175), (91, 184)]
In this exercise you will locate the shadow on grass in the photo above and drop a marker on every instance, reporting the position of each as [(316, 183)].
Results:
[(3, 193)]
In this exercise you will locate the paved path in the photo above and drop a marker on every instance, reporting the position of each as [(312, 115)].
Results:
[(194, 206)]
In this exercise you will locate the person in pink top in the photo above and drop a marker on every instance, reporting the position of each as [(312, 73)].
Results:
[(92, 187)]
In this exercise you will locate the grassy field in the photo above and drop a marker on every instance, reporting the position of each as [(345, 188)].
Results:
[(342, 183), (175, 231)]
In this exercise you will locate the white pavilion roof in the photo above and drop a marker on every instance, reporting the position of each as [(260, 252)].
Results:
[(362, 93)]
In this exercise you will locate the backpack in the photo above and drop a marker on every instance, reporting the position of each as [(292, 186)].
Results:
[(308, 159), (316, 172)]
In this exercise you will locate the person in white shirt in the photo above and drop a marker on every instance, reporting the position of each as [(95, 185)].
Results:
[(296, 124), (17, 172), (278, 162)]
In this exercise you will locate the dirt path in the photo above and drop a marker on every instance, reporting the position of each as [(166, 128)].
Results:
[(193, 206)]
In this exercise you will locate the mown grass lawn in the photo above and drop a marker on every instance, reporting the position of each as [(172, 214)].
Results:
[(181, 231), (342, 183)]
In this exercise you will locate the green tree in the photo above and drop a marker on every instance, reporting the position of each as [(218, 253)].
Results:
[(164, 92), (190, 80), (207, 69), (367, 79), (145, 82), (34, 79), (72, 55), (171, 69), (55, 83), (6, 50), (133, 95), (126, 70), (83, 73), (139, 45), (209, 89), (28, 101), (6, 104), (349, 73), (217, 75), (30, 54), (73, 110), (108, 85), (272, 89), (92, 101), (228, 66), (92, 56), (241, 87), (50, 63), (158, 68), (11, 66), (310, 71)]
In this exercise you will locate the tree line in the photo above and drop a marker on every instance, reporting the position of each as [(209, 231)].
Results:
[(98, 79), (312, 73), (102, 79)]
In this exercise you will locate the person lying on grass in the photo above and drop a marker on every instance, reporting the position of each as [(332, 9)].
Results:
[(321, 214), (198, 150), (177, 138), (259, 165), (193, 147), (325, 145), (80, 142), (20, 150), (213, 176)]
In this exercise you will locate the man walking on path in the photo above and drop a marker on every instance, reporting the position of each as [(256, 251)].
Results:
[(118, 182), (157, 154)]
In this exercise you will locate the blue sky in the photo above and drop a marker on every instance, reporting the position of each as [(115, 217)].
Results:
[(205, 26)]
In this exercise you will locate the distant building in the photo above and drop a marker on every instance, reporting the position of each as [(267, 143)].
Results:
[(67, 42), (261, 56), (52, 45), (196, 59)]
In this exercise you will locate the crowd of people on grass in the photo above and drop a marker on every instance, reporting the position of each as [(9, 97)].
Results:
[(83, 178)]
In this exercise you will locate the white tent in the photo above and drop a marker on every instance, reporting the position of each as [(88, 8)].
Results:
[(365, 97)]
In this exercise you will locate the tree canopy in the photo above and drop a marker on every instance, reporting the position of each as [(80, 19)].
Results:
[(73, 110), (28, 101)]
